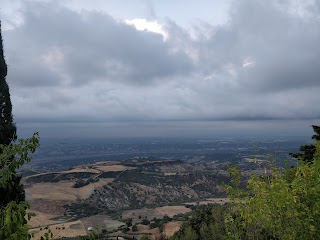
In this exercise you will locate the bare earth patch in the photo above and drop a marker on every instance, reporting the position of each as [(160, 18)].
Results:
[(172, 210), (113, 168), (48, 206), (171, 227), (143, 229), (69, 229), (170, 174), (143, 213), (63, 191), (77, 169), (53, 191), (42, 219)]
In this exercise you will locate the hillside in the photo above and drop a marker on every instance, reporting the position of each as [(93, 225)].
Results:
[(106, 187), (106, 194)]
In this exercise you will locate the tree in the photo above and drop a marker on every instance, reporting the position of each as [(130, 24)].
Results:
[(273, 208), (145, 222), (7, 127), (308, 149), (128, 222), (134, 228)]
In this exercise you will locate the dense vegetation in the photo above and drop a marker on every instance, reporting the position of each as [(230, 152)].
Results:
[(274, 208), (206, 222)]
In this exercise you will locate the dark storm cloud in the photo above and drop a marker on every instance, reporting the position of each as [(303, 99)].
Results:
[(88, 47), (282, 46)]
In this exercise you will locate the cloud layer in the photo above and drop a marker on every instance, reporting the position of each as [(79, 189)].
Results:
[(87, 66)]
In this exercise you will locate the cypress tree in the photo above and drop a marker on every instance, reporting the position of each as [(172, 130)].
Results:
[(13, 191), (7, 126)]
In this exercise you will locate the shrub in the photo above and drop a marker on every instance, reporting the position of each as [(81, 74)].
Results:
[(145, 222), (274, 207)]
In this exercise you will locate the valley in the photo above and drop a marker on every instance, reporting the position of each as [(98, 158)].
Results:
[(104, 195)]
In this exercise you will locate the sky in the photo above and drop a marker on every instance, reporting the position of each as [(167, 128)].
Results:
[(163, 68)]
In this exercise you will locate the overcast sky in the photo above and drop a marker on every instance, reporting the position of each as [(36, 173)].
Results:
[(117, 68)]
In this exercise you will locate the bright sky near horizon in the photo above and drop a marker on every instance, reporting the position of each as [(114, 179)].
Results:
[(117, 68)]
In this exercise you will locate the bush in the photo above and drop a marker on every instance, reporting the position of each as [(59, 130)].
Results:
[(166, 219), (153, 225), (13, 215), (145, 222), (273, 207), (128, 222), (134, 228), (125, 229)]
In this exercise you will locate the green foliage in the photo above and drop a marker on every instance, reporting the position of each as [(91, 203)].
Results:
[(12, 221), (272, 207), (206, 222), (309, 149), (12, 214), (189, 234), (14, 156)]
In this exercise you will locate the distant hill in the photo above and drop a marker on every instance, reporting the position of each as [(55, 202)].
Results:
[(106, 187)]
